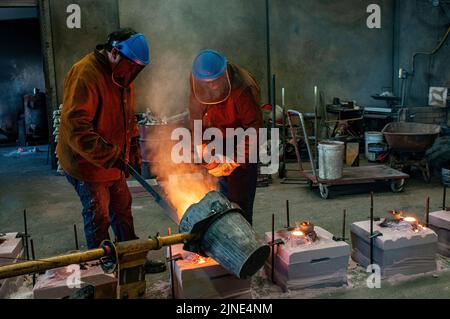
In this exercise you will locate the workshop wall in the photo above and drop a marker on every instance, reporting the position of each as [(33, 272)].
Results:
[(328, 44), (421, 27), (98, 18), (314, 42), (179, 29), (21, 68), (324, 43)]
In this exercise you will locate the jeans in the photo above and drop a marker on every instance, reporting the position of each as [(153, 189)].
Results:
[(240, 188), (105, 204)]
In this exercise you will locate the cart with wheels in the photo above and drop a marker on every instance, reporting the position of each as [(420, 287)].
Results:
[(351, 175), (408, 143)]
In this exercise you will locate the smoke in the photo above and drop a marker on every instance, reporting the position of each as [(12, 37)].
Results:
[(166, 88), (183, 184)]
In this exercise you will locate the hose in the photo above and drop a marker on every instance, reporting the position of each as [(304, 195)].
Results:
[(433, 52)]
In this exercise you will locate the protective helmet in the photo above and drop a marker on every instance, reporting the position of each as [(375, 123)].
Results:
[(136, 55), (135, 48), (210, 79), (209, 65)]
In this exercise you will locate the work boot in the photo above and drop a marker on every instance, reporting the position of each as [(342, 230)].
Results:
[(154, 266)]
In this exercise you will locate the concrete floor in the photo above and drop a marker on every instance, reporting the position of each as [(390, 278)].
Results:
[(53, 207)]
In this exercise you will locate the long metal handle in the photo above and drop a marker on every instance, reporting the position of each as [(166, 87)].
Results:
[(158, 198), (294, 138), (306, 137), (40, 265)]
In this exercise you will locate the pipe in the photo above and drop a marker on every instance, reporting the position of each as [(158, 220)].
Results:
[(75, 232), (344, 218), (37, 266), (172, 279), (268, 55), (33, 255), (371, 228), (273, 249), (274, 102), (41, 265), (288, 217), (283, 130), (427, 211), (444, 204), (25, 226), (316, 123)]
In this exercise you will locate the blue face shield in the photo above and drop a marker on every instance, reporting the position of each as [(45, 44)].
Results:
[(135, 55), (212, 91), (210, 79), (125, 72)]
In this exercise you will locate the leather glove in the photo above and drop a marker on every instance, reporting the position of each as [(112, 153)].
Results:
[(225, 167), (122, 166)]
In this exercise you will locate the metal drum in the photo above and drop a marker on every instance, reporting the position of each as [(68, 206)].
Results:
[(229, 239), (331, 160)]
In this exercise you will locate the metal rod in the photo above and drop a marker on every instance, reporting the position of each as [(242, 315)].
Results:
[(25, 226), (344, 218), (306, 137), (427, 211), (444, 203), (156, 196), (273, 249), (172, 279), (75, 232), (316, 122), (283, 130), (268, 47), (33, 256), (288, 217), (371, 229), (274, 102), (294, 138), (135, 246)]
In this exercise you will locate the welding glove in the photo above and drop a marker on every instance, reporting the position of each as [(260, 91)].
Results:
[(122, 166), (225, 166)]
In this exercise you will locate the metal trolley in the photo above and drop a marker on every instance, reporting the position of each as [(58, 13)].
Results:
[(351, 175)]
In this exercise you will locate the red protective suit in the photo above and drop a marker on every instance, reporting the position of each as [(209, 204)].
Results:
[(98, 125), (240, 110)]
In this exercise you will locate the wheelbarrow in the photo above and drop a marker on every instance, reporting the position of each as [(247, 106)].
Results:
[(408, 143)]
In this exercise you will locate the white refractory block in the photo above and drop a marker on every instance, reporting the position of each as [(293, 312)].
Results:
[(10, 248), (397, 251), (62, 282), (322, 263), (440, 223), (206, 281), (11, 251)]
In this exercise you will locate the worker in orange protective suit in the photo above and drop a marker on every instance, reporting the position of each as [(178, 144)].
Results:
[(99, 134), (224, 95)]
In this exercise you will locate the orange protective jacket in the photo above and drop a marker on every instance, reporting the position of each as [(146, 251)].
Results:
[(98, 125), (241, 110)]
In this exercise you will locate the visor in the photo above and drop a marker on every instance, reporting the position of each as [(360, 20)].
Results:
[(212, 91), (125, 72)]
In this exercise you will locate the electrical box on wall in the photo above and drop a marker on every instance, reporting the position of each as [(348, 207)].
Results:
[(438, 96)]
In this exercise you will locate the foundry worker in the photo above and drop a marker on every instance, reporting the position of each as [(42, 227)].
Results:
[(99, 134), (224, 95)]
